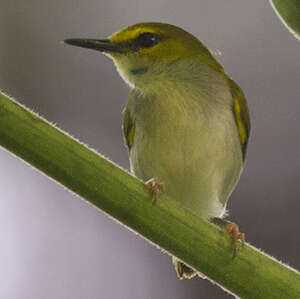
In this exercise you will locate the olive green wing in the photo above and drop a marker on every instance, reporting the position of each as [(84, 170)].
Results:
[(241, 114), (128, 128)]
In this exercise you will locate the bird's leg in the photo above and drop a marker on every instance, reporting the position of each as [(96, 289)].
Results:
[(155, 188), (232, 230)]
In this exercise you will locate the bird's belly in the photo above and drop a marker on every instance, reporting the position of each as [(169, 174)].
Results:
[(199, 163)]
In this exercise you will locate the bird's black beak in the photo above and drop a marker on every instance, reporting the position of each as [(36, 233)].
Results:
[(102, 45)]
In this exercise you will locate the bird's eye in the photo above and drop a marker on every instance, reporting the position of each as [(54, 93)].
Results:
[(147, 40)]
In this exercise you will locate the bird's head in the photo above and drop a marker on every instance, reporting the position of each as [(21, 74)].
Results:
[(144, 52)]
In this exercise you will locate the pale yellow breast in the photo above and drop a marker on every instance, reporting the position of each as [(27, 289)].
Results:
[(193, 148)]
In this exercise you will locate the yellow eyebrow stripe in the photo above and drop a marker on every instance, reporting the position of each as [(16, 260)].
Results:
[(129, 34)]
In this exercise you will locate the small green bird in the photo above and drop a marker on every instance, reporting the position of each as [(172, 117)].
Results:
[(186, 123)]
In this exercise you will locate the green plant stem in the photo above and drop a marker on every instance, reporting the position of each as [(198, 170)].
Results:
[(167, 224), (289, 13)]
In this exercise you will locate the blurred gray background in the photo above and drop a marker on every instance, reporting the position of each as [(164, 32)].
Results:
[(52, 244)]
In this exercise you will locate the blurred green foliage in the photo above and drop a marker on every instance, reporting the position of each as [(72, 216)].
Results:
[(289, 13)]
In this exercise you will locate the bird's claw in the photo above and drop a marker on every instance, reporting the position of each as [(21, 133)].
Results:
[(232, 230), (155, 188), (183, 271)]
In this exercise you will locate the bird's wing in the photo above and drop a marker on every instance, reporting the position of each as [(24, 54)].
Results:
[(241, 114), (128, 128)]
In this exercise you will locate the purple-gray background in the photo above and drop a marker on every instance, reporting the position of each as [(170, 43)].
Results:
[(53, 245)]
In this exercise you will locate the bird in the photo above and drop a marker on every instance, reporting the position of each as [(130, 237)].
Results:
[(186, 123)]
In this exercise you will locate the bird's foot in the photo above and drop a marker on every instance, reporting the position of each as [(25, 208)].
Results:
[(182, 270), (232, 230), (238, 238), (155, 188)]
